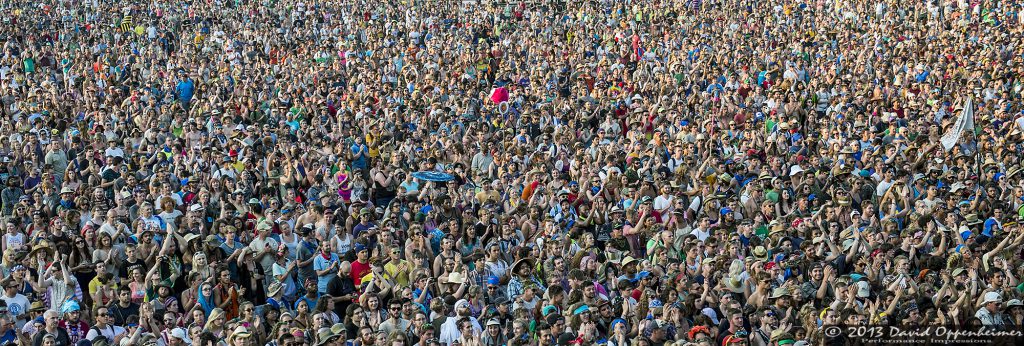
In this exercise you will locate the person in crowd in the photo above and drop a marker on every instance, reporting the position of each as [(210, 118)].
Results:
[(513, 172)]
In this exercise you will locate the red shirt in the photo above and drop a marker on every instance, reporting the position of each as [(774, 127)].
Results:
[(359, 269)]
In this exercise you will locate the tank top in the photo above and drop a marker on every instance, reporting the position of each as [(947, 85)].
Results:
[(293, 245), (344, 245), (383, 191)]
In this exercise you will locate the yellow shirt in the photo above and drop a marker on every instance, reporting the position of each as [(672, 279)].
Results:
[(401, 277), (95, 285)]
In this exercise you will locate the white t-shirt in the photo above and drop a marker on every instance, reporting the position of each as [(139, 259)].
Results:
[(662, 202), (110, 332), (700, 234), (115, 152), (17, 305)]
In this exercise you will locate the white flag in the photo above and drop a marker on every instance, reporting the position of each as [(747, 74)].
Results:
[(963, 123)]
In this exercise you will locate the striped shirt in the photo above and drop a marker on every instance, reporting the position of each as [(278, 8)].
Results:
[(126, 23)]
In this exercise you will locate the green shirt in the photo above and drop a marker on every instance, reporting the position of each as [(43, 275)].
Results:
[(30, 65)]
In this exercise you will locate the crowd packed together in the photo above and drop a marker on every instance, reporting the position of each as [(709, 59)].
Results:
[(483, 173)]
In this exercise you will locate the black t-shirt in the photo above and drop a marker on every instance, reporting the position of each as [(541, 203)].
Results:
[(128, 266), (340, 286), (61, 337), (121, 313)]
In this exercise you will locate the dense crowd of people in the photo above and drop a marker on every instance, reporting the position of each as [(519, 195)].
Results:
[(480, 173)]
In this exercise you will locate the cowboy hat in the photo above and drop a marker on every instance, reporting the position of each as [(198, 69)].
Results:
[(521, 261), (325, 335), (760, 253), (628, 260), (843, 200), (239, 332), (733, 284), (190, 237), (43, 245), (972, 219), (273, 289), (1013, 171), (212, 241), (456, 278), (776, 227)]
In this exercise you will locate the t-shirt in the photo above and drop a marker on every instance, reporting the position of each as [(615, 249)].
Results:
[(359, 269), (305, 250), (340, 286), (121, 313), (60, 334), (17, 306), (127, 267), (319, 264), (258, 245), (110, 332)]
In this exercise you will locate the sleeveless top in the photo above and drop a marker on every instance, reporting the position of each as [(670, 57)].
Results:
[(384, 191), (293, 245), (343, 245), (231, 310)]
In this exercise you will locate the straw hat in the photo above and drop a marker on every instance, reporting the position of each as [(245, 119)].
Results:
[(190, 237), (43, 245), (760, 253), (628, 260), (843, 200), (456, 278), (521, 261), (1013, 171), (776, 227), (972, 219), (273, 289), (325, 336), (733, 284), (240, 332)]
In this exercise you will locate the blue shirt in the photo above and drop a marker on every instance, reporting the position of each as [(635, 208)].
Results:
[(319, 264), (360, 160), (991, 225), (185, 90)]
